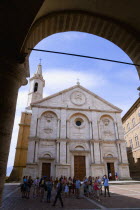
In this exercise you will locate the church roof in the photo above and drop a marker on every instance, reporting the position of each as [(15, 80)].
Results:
[(74, 87)]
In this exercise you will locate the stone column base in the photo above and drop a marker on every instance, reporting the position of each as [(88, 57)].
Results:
[(97, 170), (63, 170), (124, 171), (31, 170)]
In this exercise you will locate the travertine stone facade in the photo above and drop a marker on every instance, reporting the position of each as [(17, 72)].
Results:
[(131, 125), (76, 122)]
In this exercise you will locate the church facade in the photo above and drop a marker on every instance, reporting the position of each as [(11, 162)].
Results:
[(74, 133)]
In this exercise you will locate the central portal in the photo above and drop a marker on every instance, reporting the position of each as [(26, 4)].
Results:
[(46, 169), (79, 167)]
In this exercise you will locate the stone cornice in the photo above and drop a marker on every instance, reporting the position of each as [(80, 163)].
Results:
[(106, 141), (72, 108), (136, 126), (123, 164), (97, 164), (79, 140), (33, 138), (131, 110), (61, 164), (118, 141), (46, 158), (37, 77), (80, 151), (25, 125), (31, 164), (110, 158), (63, 140)]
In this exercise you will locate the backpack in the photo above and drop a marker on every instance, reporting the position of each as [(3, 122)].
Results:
[(60, 187), (45, 186)]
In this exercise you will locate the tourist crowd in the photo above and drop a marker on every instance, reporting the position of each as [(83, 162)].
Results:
[(90, 187)]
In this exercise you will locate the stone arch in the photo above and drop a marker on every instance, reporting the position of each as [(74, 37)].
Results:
[(81, 145), (109, 154), (78, 113), (47, 154), (84, 22), (48, 111), (107, 115), (79, 126), (48, 125), (107, 127)]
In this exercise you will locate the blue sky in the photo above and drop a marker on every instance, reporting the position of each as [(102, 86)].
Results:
[(116, 83)]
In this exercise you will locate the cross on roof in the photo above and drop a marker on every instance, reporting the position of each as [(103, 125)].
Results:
[(78, 83)]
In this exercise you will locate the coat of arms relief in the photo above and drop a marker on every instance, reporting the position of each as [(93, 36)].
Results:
[(78, 98), (49, 120)]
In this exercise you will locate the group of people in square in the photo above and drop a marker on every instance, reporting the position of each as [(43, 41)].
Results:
[(90, 187)]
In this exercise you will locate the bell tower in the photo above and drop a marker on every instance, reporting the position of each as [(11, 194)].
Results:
[(36, 86)]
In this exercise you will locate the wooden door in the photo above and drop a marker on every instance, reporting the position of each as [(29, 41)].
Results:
[(79, 167), (112, 170), (46, 169)]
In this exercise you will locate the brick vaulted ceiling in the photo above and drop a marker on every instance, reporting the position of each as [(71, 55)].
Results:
[(24, 23)]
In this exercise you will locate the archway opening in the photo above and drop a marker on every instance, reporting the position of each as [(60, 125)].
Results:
[(116, 83)]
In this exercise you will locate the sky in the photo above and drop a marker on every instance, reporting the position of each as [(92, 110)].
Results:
[(116, 83)]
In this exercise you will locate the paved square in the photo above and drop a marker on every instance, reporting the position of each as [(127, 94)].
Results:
[(122, 197)]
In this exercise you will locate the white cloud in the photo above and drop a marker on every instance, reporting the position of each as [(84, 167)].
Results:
[(129, 74), (57, 80), (22, 99)]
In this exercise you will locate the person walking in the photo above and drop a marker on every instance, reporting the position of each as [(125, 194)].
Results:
[(116, 176), (23, 187), (66, 190), (49, 186), (97, 189), (42, 188), (106, 185), (70, 185), (36, 187), (100, 185), (58, 194), (29, 184), (77, 186)]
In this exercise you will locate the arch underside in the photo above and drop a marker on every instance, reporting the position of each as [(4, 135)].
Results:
[(84, 22)]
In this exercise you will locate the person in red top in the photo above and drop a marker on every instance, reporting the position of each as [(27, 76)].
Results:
[(97, 189)]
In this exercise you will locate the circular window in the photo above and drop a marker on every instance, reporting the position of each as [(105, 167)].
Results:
[(78, 122)]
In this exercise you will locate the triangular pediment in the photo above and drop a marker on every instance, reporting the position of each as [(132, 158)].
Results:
[(76, 97)]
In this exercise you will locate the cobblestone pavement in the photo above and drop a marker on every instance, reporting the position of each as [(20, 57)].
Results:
[(122, 197), (14, 201)]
